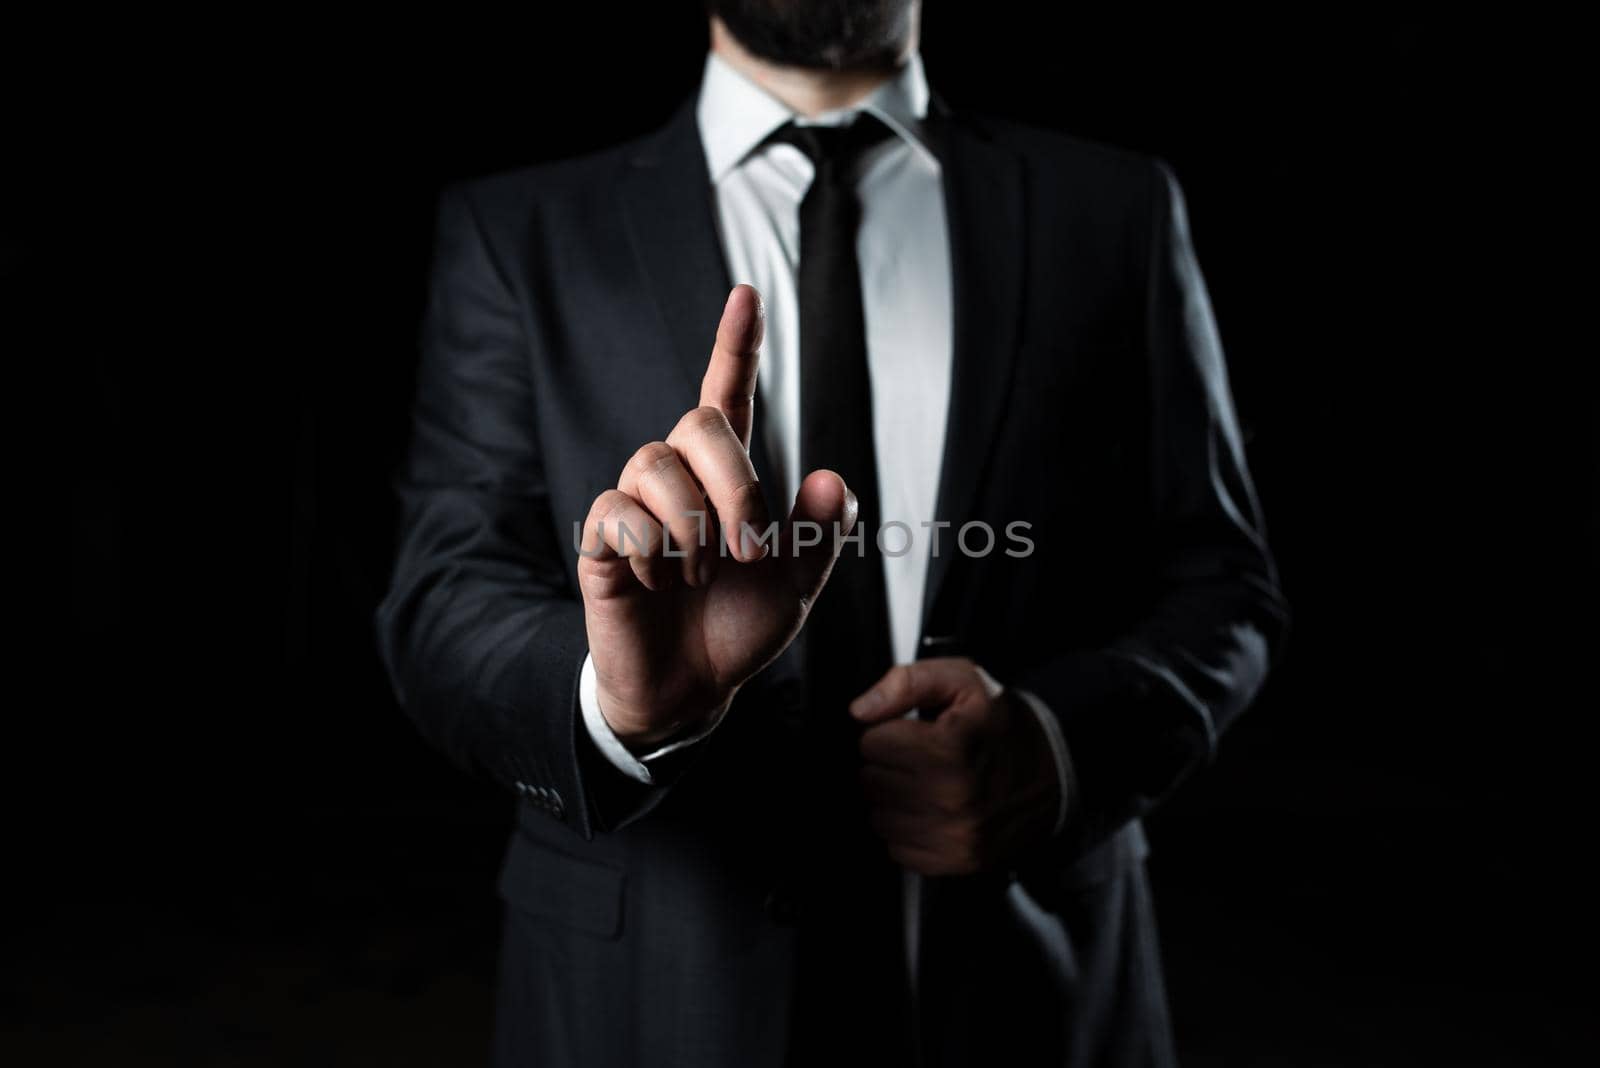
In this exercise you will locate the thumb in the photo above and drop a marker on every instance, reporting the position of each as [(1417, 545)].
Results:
[(823, 505)]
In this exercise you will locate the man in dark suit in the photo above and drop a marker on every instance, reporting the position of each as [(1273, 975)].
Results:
[(864, 784)]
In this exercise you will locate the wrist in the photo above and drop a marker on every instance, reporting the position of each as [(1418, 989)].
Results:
[(657, 733)]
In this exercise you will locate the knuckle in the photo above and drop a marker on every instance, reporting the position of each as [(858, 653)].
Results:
[(703, 420), (652, 458), (608, 506), (626, 528)]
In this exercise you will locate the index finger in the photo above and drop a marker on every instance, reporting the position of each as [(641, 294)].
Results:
[(730, 381)]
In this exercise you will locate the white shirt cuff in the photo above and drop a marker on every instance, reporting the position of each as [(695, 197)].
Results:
[(606, 740), (1065, 776)]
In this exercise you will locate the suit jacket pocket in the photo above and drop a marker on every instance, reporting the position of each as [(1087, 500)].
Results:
[(583, 895)]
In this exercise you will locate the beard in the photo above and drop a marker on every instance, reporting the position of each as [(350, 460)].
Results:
[(821, 34)]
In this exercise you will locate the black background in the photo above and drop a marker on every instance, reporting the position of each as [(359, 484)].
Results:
[(229, 845)]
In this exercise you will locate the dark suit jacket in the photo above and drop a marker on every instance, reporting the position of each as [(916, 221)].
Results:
[(571, 312)]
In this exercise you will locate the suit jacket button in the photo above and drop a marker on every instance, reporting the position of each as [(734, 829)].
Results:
[(556, 807)]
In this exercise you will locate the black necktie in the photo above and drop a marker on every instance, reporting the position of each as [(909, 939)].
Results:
[(847, 636), (851, 976)]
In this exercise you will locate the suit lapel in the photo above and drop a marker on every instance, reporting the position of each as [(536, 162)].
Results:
[(985, 209), (669, 206)]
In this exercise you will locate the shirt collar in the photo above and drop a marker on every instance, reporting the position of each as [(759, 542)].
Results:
[(736, 114)]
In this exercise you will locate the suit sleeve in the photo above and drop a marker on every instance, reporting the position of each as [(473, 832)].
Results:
[(481, 631), (1142, 713)]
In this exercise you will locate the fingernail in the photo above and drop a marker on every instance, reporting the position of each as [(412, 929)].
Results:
[(865, 705)]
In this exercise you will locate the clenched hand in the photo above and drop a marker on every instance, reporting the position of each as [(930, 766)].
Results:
[(969, 790), (674, 637)]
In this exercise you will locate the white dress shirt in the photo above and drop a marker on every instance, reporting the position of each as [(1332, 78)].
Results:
[(904, 254)]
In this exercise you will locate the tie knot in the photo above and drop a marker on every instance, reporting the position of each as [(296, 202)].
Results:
[(833, 150)]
